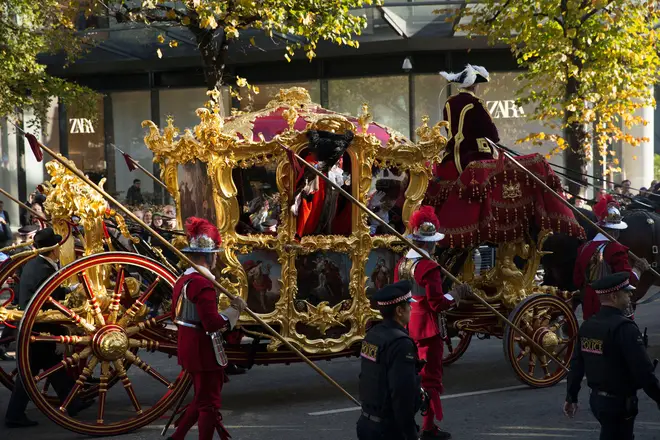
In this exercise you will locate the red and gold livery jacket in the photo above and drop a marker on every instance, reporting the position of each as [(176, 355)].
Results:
[(195, 349), (470, 124), (615, 255), (424, 274)]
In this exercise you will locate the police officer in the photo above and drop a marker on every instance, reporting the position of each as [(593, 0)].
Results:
[(612, 354), (390, 387)]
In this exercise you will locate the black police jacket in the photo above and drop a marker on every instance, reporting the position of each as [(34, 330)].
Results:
[(612, 354), (389, 382)]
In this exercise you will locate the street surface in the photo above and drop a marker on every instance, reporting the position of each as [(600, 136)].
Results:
[(483, 400)]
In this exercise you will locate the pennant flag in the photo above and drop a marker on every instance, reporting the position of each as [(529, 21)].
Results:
[(35, 146), (130, 163), (293, 160)]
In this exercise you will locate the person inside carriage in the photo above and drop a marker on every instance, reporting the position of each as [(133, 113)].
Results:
[(600, 257), (470, 124), (317, 205), (427, 325)]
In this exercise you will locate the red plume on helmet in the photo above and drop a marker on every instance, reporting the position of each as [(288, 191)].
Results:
[(425, 214), (600, 208), (196, 227)]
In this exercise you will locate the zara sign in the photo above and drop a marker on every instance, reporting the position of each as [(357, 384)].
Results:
[(80, 125), (505, 109)]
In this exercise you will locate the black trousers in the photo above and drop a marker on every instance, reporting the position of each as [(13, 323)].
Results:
[(369, 430), (42, 357), (616, 416)]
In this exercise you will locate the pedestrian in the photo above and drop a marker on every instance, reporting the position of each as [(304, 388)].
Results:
[(42, 355), (196, 316), (427, 324), (600, 257), (611, 352), (134, 194), (390, 390)]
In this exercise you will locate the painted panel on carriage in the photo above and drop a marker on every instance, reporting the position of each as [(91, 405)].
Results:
[(323, 276), (386, 198), (264, 273), (258, 198), (380, 269), (196, 192)]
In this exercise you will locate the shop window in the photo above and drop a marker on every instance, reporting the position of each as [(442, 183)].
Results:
[(387, 98), (87, 141)]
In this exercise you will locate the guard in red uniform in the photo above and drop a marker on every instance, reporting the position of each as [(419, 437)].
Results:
[(427, 323), (200, 325), (600, 257), (470, 124)]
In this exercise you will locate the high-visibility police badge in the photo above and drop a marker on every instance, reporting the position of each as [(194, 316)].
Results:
[(593, 346), (369, 351)]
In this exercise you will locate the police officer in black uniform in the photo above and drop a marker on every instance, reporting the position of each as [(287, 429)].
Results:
[(611, 352), (390, 387)]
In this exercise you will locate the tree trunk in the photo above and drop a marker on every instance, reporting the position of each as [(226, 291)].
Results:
[(214, 51), (575, 135)]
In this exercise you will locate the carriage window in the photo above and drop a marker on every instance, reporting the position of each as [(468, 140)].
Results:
[(319, 208), (323, 277), (258, 199), (386, 198), (196, 192), (380, 269), (263, 272)]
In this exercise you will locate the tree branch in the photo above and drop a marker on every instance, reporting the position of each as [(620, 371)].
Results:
[(497, 14)]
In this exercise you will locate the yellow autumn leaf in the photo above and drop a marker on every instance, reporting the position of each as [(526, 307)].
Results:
[(174, 43), (170, 14), (241, 82), (161, 38), (159, 53), (185, 21)]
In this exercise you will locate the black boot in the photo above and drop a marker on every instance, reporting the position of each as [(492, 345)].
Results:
[(4, 356), (435, 434), (234, 369)]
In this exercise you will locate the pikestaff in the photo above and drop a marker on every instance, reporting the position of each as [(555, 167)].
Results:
[(419, 250), (132, 164), (33, 141), (39, 217), (563, 200)]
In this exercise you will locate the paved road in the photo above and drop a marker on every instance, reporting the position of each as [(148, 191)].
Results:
[(483, 401)]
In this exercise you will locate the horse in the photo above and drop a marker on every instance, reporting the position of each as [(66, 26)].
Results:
[(642, 224)]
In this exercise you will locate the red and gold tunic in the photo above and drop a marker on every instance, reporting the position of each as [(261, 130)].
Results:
[(470, 124), (615, 255)]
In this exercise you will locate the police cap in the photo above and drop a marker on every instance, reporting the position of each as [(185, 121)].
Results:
[(28, 229), (394, 294), (612, 283)]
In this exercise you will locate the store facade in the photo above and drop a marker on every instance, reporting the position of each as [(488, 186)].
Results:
[(136, 85)]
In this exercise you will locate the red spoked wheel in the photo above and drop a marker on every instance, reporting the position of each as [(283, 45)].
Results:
[(550, 322), (456, 344), (108, 328)]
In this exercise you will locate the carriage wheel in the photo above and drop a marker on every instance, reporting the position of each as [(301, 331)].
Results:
[(456, 345), (550, 322), (106, 339)]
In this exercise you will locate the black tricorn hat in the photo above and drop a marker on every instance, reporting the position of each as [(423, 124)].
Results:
[(28, 229), (46, 238), (328, 146)]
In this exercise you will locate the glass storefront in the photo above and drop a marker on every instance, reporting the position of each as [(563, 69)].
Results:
[(430, 97), (182, 104), (268, 91), (9, 169), (87, 141), (387, 96), (129, 109)]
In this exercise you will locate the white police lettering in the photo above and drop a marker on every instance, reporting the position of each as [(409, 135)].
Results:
[(81, 125), (505, 109)]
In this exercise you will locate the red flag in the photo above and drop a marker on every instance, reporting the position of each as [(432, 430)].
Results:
[(130, 163), (293, 160), (36, 147)]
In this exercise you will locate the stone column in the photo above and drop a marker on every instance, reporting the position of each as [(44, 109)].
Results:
[(637, 162)]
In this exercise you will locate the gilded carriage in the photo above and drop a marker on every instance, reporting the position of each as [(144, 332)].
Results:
[(115, 325)]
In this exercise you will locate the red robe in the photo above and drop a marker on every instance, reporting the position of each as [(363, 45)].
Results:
[(470, 125), (196, 355), (614, 254), (424, 328)]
